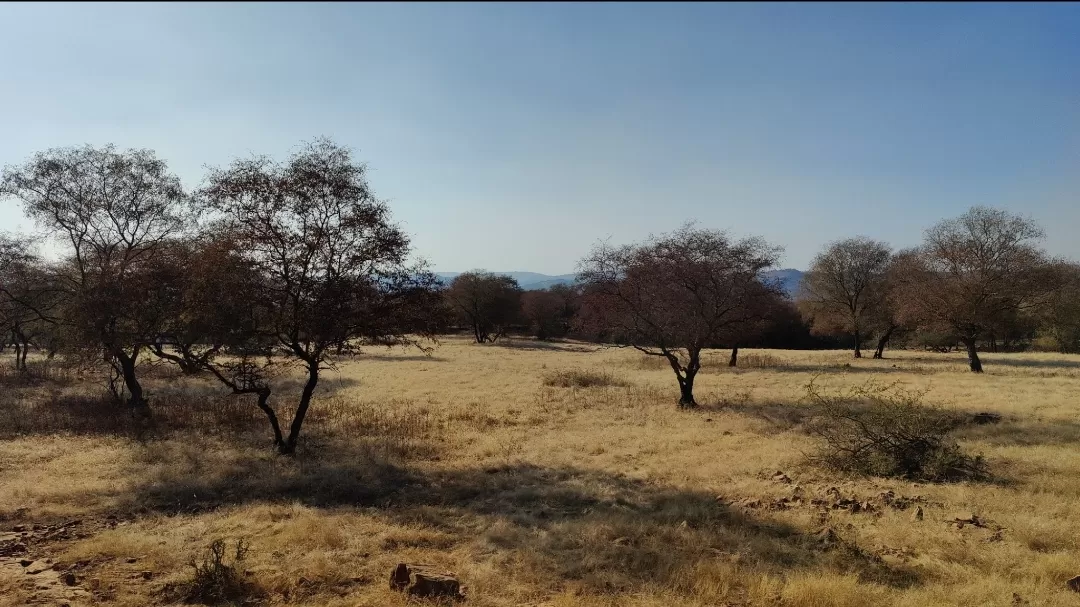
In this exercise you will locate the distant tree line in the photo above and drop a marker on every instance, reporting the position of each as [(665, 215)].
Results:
[(269, 265)]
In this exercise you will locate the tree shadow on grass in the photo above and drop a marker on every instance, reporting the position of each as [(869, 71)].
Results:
[(604, 530), (536, 344), (189, 405), (1024, 433)]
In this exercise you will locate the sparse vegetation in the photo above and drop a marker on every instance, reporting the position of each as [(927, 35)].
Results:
[(885, 430), (577, 378), (216, 580)]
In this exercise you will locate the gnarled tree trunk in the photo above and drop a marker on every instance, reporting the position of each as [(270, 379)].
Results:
[(734, 360), (883, 341), (686, 377), (289, 446), (973, 356), (136, 401)]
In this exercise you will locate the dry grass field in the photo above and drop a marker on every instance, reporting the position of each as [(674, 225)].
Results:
[(488, 461)]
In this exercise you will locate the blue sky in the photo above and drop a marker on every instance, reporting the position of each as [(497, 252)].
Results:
[(513, 136)]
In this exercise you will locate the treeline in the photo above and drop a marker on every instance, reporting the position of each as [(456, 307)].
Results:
[(273, 264)]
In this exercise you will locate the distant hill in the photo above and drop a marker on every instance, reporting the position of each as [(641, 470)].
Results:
[(534, 281)]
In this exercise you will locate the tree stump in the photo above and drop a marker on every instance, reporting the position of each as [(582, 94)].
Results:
[(425, 581)]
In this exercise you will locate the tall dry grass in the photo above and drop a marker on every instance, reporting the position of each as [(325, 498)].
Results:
[(537, 494)]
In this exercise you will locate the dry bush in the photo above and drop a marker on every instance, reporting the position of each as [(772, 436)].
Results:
[(216, 582), (885, 430), (755, 360), (575, 378)]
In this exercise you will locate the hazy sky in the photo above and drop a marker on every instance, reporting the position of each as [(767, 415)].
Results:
[(513, 137)]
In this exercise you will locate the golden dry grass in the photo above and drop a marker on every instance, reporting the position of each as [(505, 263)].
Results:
[(537, 494)]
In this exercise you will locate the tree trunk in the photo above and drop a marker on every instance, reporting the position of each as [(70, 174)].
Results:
[(289, 446), (858, 344), (993, 343), (882, 342), (264, 396), (127, 368), (686, 377), (734, 360), (18, 355), (973, 356)]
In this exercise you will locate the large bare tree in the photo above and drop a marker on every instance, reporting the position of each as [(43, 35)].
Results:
[(972, 273), (676, 294), (334, 271), (111, 211), (844, 290)]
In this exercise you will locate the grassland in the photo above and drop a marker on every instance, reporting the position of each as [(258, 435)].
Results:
[(492, 462)]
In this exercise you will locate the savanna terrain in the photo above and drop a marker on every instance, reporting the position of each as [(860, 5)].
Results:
[(494, 462)]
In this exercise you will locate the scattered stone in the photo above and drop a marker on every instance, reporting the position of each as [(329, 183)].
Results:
[(918, 514), (69, 578), (131, 560), (19, 528), (727, 433), (37, 567), (1074, 584), (147, 574), (708, 419), (26, 562), (424, 581)]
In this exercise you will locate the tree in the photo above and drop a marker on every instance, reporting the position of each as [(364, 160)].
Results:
[(333, 271), (845, 288), (676, 294), (27, 296), (971, 273), (550, 311), (1060, 318), (488, 303), (112, 211)]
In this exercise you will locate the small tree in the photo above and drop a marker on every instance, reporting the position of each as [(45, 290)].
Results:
[(675, 294), (333, 270), (488, 303), (971, 273), (845, 288), (112, 211)]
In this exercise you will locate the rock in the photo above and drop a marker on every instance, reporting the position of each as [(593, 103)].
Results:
[(424, 581), (131, 560), (19, 528), (69, 578), (26, 562), (780, 477), (797, 492), (37, 567), (1074, 584), (147, 574), (986, 418), (621, 541), (918, 514), (708, 419)]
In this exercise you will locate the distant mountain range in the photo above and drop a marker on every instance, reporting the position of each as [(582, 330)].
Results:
[(533, 281)]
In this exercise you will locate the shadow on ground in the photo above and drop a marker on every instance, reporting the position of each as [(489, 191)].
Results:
[(606, 531)]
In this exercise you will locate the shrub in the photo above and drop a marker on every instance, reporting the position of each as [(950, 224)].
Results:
[(753, 360), (216, 582), (574, 378), (887, 431)]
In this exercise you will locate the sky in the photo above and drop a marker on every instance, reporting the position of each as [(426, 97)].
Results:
[(518, 136)]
